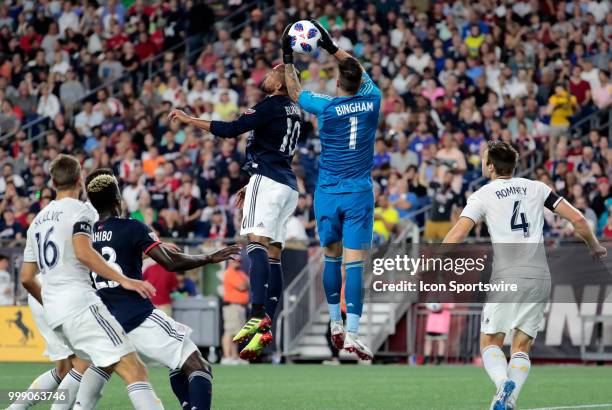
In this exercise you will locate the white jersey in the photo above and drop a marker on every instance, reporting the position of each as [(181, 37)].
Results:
[(66, 284), (513, 210)]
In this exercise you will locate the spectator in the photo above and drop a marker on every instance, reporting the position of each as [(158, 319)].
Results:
[(386, 219), (185, 286), (164, 282), (48, 103), (7, 286), (437, 329), (235, 300), (444, 202)]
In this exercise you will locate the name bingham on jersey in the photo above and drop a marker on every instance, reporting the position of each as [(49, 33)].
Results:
[(513, 190), (359, 106)]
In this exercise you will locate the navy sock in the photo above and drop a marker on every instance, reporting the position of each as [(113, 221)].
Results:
[(332, 283), (354, 295), (180, 387), (200, 389), (259, 273), (275, 286)]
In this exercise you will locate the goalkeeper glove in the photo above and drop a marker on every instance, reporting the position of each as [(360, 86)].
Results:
[(326, 42), (286, 46)]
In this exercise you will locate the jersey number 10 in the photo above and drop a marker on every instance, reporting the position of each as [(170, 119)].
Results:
[(290, 139)]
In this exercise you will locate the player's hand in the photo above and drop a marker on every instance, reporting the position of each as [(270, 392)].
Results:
[(327, 42), (144, 288), (240, 197), (286, 46), (178, 115), (231, 252), (599, 252)]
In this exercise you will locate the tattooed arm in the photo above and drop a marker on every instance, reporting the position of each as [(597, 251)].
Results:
[(292, 81)]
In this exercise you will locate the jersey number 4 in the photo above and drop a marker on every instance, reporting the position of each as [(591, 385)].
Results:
[(111, 257), (516, 214)]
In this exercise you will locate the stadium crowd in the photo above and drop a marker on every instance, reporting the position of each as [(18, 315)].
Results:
[(454, 75)]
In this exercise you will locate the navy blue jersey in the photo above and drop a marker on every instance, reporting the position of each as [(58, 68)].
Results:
[(275, 128), (122, 242)]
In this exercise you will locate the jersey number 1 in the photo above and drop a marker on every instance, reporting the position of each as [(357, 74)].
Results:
[(353, 134), (516, 213)]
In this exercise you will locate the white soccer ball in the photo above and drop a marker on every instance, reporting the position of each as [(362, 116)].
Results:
[(304, 37), (434, 307)]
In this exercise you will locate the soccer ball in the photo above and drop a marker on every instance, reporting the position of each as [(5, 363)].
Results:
[(304, 37)]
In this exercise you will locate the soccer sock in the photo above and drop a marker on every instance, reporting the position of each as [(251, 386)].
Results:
[(259, 273), (46, 381), (71, 384), (180, 387), (495, 364), (518, 370), (200, 389), (90, 390), (332, 283), (143, 397), (275, 286), (354, 295)]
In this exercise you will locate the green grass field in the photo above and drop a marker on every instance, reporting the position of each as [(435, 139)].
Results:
[(362, 387)]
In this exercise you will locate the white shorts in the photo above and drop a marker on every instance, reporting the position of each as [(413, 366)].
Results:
[(504, 314), (268, 205), (95, 335), (55, 348), (161, 339)]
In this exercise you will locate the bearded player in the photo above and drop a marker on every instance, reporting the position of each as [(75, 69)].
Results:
[(269, 199), (513, 209)]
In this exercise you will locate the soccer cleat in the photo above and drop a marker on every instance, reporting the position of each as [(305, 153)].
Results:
[(352, 344), (504, 391), (257, 344), (337, 334), (252, 326)]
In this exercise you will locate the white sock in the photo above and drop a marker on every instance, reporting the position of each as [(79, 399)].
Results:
[(143, 397), (518, 370), (90, 391), (46, 381), (71, 384), (495, 364)]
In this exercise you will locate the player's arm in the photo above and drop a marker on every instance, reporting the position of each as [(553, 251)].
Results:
[(292, 81), (581, 226), (173, 261), (459, 231), (224, 129), (29, 281), (87, 255), (328, 44)]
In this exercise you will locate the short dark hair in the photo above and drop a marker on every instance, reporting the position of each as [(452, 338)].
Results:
[(102, 190), (65, 171), (3, 257), (503, 157), (350, 73)]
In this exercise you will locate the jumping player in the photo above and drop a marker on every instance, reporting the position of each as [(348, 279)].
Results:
[(513, 209), (269, 200), (344, 199), (59, 246), (155, 335)]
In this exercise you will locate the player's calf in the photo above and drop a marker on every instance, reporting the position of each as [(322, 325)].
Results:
[(199, 376), (134, 373), (71, 382)]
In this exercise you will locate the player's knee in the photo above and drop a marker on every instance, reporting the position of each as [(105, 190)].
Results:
[(334, 249), (275, 250), (194, 363), (131, 369), (63, 367), (265, 241)]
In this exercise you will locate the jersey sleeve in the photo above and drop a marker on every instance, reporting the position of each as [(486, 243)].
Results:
[(144, 237), (249, 120), (29, 253), (474, 209), (368, 87), (550, 198), (84, 219), (313, 103)]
